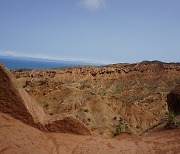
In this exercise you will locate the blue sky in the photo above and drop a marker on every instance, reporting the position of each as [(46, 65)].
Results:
[(107, 31)]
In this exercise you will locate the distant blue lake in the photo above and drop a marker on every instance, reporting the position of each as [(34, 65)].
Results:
[(18, 63)]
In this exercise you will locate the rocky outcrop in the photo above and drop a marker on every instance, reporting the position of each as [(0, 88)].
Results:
[(16, 102), (65, 123), (173, 100)]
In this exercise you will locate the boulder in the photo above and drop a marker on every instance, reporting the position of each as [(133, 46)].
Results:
[(173, 100), (66, 123)]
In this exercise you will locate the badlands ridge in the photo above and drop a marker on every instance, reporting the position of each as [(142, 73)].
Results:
[(120, 108)]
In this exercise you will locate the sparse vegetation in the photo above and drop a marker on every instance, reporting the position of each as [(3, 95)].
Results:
[(102, 93), (171, 124), (170, 117), (86, 110), (118, 130), (121, 127), (117, 90), (86, 84), (46, 106)]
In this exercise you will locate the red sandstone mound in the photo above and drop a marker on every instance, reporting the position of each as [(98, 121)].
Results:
[(17, 103), (65, 123)]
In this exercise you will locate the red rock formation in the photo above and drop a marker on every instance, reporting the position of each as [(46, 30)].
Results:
[(65, 123), (173, 100), (17, 103)]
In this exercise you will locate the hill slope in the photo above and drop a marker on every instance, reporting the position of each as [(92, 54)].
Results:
[(108, 99)]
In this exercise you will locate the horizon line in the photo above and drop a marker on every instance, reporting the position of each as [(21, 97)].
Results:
[(13, 54)]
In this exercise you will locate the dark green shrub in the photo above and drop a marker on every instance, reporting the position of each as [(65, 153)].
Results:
[(170, 117), (171, 124), (118, 130)]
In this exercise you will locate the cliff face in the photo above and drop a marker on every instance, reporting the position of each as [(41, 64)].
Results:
[(129, 96)]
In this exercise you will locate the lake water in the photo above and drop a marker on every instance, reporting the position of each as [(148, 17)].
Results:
[(18, 63)]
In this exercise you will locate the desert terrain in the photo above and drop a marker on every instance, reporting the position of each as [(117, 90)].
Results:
[(119, 108), (132, 96)]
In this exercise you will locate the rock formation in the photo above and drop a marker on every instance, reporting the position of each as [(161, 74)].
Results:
[(173, 100), (132, 96), (16, 102)]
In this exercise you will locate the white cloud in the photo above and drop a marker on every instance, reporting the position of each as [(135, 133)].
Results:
[(47, 57), (92, 4)]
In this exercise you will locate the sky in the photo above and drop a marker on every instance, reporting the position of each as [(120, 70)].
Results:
[(103, 31)]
